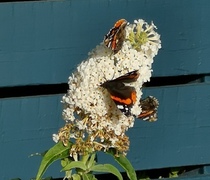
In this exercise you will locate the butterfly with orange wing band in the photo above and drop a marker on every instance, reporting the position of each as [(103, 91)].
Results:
[(123, 95), (116, 36), (149, 107)]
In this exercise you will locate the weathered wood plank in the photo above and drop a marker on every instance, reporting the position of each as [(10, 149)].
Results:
[(42, 42), (26, 127), (179, 136)]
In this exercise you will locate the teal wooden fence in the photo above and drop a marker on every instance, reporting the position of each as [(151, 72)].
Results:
[(41, 43)]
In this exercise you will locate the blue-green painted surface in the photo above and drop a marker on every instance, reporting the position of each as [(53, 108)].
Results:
[(42, 43), (179, 137), (26, 127)]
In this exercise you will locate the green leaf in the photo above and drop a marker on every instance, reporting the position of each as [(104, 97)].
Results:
[(75, 164), (58, 151), (125, 164), (66, 161), (107, 168), (76, 177), (85, 177), (91, 161), (91, 176), (174, 172), (85, 158)]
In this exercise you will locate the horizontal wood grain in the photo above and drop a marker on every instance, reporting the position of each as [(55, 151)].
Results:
[(42, 42), (26, 127), (178, 138)]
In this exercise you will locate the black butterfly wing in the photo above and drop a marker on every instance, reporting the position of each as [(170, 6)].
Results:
[(123, 95), (118, 90), (116, 36), (129, 77)]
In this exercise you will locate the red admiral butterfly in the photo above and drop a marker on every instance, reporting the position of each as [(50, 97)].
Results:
[(123, 95), (116, 36), (149, 107)]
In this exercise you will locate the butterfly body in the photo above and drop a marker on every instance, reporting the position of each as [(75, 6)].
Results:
[(116, 36), (122, 94)]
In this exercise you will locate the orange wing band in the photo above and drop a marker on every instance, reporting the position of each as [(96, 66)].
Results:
[(127, 101)]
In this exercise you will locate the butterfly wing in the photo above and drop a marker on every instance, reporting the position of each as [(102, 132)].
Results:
[(129, 77), (123, 95), (149, 107), (116, 36)]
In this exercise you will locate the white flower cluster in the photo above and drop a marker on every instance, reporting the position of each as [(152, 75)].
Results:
[(86, 98)]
